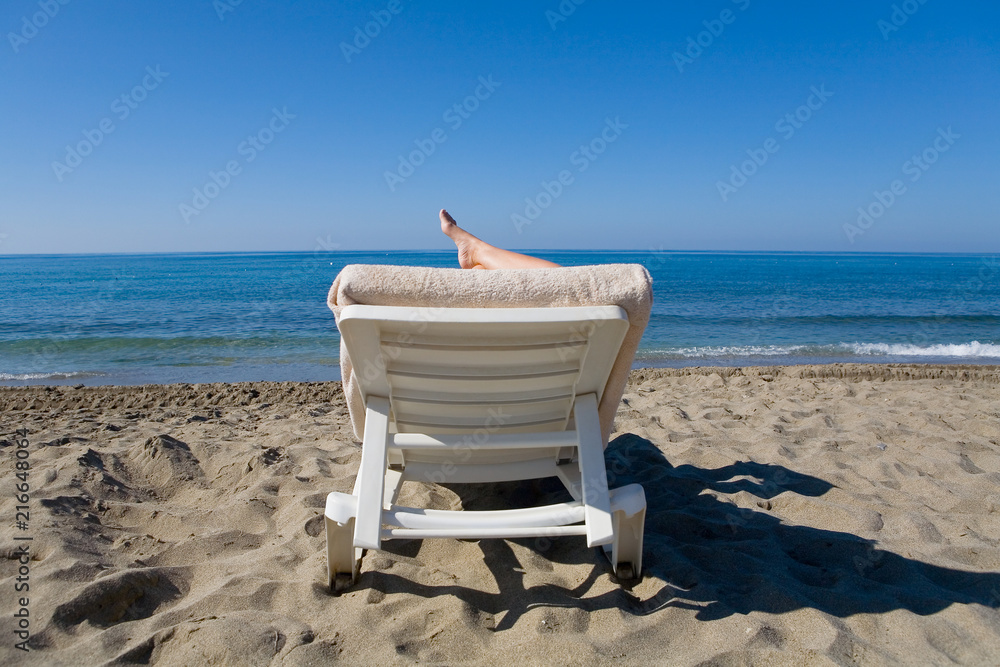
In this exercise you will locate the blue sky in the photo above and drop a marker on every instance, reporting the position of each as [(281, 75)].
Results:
[(730, 124)]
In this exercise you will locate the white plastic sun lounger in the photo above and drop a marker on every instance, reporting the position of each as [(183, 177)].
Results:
[(474, 395)]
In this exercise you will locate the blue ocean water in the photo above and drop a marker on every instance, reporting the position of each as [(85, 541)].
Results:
[(132, 319)]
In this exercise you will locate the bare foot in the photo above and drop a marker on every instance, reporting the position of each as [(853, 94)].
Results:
[(467, 243), (474, 253)]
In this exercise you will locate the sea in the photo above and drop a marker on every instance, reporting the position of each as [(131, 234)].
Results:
[(228, 317)]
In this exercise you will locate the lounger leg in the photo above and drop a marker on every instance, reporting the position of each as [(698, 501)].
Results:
[(628, 507), (342, 558)]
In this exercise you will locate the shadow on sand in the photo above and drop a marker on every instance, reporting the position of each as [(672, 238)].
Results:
[(717, 558)]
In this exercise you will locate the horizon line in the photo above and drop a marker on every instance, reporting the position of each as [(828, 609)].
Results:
[(647, 251)]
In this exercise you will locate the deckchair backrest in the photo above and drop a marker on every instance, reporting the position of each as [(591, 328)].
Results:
[(455, 370)]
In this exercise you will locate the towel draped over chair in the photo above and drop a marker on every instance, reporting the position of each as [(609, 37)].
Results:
[(626, 285)]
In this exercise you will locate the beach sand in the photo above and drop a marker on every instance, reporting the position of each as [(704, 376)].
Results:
[(841, 515)]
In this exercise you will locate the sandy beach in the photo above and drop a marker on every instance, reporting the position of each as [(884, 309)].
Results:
[(831, 515)]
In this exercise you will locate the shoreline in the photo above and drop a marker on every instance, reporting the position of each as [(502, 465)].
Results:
[(845, 371)]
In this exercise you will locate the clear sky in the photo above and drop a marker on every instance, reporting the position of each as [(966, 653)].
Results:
[(729, 124)]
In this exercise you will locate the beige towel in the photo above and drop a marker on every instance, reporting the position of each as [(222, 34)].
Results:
[(625, 285)]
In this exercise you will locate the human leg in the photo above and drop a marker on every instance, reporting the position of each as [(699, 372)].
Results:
[(474, 253)]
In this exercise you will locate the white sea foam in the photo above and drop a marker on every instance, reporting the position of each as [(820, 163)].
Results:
[(975, 349), (739, 351), (10, 377)]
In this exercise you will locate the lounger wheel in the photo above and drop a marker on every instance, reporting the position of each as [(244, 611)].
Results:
[(341, 556), (625, 572), (341, 582)]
